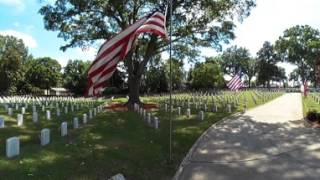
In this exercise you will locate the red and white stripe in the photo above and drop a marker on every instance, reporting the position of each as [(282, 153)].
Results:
[(235, 83), (115, 50)]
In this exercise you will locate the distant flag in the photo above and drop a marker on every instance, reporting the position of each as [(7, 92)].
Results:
[(235, 83), (114, 50)]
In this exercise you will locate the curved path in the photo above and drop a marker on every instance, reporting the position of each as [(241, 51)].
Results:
[(269, 142)]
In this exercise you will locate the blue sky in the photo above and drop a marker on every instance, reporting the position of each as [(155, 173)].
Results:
[(267, 21)]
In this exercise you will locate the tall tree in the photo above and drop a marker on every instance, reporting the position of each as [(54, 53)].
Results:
[(13, 53), (266, 65), (45, 73), (177, 73), (300, 45), (75, 76), (251, 69), (234, 59), (207, 75), (83, 22)]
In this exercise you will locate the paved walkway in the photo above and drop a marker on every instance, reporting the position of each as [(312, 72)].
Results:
[(269, 142)]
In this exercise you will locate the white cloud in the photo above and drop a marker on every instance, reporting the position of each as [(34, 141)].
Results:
[(17, 4), (27, 39)]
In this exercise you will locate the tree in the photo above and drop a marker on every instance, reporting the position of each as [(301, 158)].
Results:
[(83, 22), (266, 64), (300, 45), (177, 73), (13, 53), (234, 59), (75, 76), (156, 79), (45, 73), (251, 69), (207, 75)]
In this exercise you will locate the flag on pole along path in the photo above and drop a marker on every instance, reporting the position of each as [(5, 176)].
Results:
[(235, 83), (114, 50)]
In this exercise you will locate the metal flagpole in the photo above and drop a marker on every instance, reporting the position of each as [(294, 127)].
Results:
[(170, 59)]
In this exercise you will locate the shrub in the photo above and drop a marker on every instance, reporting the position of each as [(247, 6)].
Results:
[(312, 116)]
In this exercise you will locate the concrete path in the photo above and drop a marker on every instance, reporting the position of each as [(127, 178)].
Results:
[(269, 142)]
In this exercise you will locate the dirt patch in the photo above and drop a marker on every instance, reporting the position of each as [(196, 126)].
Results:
[(123, 107)]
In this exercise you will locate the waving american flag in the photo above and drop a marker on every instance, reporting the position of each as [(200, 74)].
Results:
[(115, 50), (235, 83)]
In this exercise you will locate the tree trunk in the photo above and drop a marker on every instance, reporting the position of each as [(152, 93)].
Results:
[(134, 86), (135, 71)]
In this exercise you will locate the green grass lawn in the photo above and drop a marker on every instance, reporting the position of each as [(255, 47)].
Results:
[(111, 143), (309, 104)]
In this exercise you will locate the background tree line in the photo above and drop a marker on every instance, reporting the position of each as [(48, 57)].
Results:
[(21, 73)]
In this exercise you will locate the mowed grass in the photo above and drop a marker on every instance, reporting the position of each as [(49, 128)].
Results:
[(309, 104), (111, 143)]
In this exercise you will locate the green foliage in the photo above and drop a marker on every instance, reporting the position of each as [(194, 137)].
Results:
[(300, 45), (207, 75), (177, 73), (75, 76), (81, 23), (156, 79), (235, 59), (267, 69), (13, 54), (44, 73)]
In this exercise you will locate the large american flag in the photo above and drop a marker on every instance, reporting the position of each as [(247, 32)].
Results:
[(235, 83), (114, 50)]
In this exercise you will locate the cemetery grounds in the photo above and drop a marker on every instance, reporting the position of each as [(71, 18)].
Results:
[(112, 141)]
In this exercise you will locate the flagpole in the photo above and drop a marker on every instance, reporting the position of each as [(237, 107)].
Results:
[(170, 59)]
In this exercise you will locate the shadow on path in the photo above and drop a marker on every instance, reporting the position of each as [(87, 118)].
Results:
[(243, 148)]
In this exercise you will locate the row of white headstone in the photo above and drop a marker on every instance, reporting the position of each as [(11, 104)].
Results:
[(13, 143), (147, 116)]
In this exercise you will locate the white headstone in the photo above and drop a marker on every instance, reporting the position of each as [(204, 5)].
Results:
[(43, 108), (48, 115), (58, 112), (188, 113), (23, 110), (12, 147), (84, 118), (179, 111), (64, 129), (117, 177), (66, 110), (1, 122), (34, 108), (45, 137), (10, 111), (20, 119), (90, 114), (94, 111), (149, 118), (75, 123), (166, 107), (201, 116), (17, 106), (156, 123), (35, 117), (229, 108)]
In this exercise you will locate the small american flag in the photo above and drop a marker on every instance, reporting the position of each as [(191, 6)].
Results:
[(235, 83), (114, 50)]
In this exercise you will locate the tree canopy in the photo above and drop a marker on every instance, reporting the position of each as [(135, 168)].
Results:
[(206, 75), (300, 45), (13, 54), (196, 24)]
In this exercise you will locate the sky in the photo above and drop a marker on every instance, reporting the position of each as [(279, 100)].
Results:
[(267, 22)]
